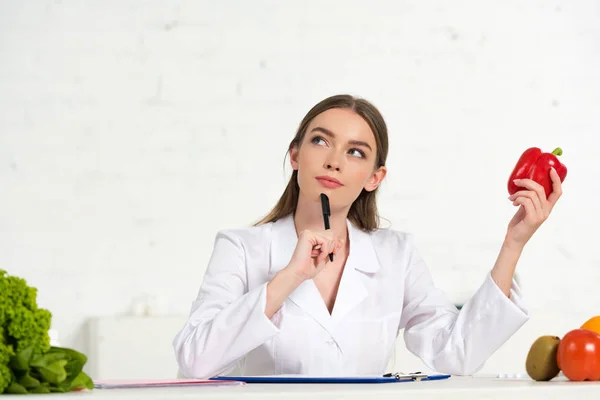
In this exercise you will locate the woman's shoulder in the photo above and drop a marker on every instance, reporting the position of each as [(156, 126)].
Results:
[(246, 235), (391, 238), (395, 247)]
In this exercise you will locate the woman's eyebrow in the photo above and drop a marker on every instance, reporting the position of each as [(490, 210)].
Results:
[(332, 135)]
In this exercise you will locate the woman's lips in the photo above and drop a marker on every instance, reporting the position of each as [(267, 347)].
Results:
[(329, 182)]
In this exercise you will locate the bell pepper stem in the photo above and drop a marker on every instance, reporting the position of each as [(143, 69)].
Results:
[(557, 151)]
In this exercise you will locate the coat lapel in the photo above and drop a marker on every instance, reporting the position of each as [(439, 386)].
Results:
[(362, 262), (306, 296)]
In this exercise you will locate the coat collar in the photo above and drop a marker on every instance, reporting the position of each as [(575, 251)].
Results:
[(362, 255), (362, 261)]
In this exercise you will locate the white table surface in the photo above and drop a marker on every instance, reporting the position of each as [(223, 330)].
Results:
[(452, 388)]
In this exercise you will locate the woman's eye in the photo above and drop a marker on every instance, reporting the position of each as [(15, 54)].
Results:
[(317, 139), (357, 153)]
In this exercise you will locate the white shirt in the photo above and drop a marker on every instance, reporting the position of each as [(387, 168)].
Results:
[(385, 287)]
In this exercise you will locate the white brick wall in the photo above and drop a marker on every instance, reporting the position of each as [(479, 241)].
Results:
[(131, 131)]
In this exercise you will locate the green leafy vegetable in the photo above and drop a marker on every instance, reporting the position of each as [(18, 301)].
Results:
[(28, 364)]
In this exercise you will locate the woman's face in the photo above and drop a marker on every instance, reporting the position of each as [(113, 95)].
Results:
[(337, 157)]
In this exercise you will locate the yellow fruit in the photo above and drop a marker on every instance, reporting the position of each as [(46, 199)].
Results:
[(592, 324), (541, 364)]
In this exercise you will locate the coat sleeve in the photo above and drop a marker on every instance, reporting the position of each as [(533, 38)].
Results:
[(226, 320), (451, 341)]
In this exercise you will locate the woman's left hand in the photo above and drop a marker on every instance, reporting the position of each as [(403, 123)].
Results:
[(534, 208)]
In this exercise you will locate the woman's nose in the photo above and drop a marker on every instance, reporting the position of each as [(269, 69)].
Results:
[(332, 164)]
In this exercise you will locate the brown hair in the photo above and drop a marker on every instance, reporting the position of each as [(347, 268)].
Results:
[(363, 212)]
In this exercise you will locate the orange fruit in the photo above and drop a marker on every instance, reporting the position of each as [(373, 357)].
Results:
[(592, 324)]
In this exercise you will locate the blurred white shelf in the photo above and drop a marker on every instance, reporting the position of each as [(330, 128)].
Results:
[(131, 347)]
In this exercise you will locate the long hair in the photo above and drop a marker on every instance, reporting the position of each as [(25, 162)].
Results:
[(363, 212)]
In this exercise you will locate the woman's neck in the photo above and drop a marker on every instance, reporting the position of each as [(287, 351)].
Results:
[(309, 216)]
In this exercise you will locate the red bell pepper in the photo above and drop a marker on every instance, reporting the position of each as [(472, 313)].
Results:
[(578, 355), (535, 165)]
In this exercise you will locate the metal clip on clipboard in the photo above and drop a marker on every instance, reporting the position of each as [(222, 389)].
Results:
[(415, 376)]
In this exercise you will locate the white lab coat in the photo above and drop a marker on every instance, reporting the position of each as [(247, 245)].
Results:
[(385, 287)]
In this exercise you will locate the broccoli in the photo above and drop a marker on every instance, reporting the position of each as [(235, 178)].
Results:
[(5, 353), (26, 357), (22, 323), (28, 363)]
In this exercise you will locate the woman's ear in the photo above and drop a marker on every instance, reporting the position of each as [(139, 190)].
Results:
[(294, 157), (376, 179)]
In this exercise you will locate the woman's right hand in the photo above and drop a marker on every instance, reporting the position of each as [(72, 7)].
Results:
[(311, 255)]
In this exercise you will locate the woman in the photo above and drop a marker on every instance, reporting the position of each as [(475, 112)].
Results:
[(272, 302)]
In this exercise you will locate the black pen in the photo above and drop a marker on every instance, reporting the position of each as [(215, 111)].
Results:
[(326, 213)]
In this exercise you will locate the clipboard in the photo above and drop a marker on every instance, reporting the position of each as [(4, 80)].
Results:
[(387, 378)]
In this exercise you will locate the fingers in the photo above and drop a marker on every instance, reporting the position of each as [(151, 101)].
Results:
[(322, 258), (338, 245), (326, 241), (320, 239), (539, 207), (527, 204), (533, 186), (322, 244), (544, 204), (556, 187), (333, 243)]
